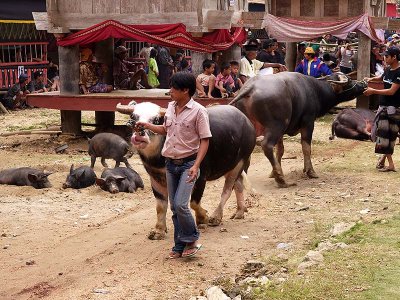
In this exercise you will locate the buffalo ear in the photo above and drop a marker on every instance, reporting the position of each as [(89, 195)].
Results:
[(100, 182), (32, 177)]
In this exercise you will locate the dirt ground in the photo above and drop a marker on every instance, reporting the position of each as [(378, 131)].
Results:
[(89, 244)]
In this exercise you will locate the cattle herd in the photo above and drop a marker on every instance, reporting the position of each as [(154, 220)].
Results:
[(284, 103)]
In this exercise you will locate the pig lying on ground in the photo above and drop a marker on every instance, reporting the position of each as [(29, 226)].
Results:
[(79, 178), (120, 180), (109, 145), (25, 176)]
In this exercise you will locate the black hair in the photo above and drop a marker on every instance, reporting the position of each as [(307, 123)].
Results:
[(153, 53), (301, 45), (184, 64), (178, 55), (326, 56), (225, 66), (274, 40), (207, 63), (184, 80), (234, 63), (267, 44), (37, 74)]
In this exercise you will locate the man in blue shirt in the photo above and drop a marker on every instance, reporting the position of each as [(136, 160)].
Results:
[(312, 65)]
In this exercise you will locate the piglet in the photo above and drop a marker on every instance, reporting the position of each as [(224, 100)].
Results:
[(79, 178), (120, 180), (109, 145), (25, 176)]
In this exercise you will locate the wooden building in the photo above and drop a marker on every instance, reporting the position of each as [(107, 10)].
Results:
[(64, 17)]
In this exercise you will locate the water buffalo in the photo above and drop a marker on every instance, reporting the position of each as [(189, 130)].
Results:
[(353, 123), (289, 103), (233, 140)]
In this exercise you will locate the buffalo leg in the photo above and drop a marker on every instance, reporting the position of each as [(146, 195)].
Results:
[(230, 179), (279, 150), (198, 189), (306, 136), (161, 194), (93, 161), (268, 146), (241, 207), (103, 162)]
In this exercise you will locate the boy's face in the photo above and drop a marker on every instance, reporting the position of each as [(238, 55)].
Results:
[(211, 69), (226, 71), (234, 70)]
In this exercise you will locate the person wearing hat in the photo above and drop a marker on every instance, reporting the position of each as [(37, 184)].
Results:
[(124, 79), (312, 65), (250, 66), (37, 84), (15, 99), (89, 81), (388, 114)]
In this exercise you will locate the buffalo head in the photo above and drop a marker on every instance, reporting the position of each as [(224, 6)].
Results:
[(343, 84), (144, 112)]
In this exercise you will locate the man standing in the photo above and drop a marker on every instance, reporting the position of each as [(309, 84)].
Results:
[(123, 78), (312, 65), (187, 128), (388, 115), (165, 66)]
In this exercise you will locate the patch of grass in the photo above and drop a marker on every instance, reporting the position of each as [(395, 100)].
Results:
[(369, 269)]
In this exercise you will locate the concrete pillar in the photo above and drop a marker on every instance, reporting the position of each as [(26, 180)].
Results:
[(290, 58), (69, 85), (197, 62), (363, 65)]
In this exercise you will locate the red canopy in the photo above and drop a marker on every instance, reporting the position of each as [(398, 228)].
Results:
[(170, 35)]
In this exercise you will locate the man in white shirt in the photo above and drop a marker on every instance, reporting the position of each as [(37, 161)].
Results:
[(250, 66)]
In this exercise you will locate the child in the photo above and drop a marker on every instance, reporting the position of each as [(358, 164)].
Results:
[(153, 69), (224, 82), (205, 82), (235, 76)]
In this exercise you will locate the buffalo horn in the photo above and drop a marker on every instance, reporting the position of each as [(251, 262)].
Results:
[(124, 109), (162, 111)]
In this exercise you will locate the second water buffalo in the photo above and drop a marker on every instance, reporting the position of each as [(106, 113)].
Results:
[(109, 145), (25, 176), (120, 180), (79, 178)]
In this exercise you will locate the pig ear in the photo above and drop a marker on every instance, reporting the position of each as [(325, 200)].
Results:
[(100, 181), (119, 178), (46, 174), (79, 174), (32, 177), (72, 168)]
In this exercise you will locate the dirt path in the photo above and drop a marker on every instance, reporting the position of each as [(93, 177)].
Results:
[(80, 242)]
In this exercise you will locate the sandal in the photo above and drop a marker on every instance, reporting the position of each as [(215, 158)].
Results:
[(191, 251), (174, 255), (386, 169)]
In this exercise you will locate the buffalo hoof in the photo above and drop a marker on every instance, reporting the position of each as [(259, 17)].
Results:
[(271, 175), (238, 215), (204, 219), (285, 185), (156, 235), (214, 221), (312, 174)]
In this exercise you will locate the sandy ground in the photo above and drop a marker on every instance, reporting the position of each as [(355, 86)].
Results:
[(89, 244)]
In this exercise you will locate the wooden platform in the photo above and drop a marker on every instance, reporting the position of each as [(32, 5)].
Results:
[(107, 101)]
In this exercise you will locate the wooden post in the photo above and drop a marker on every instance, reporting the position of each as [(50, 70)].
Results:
[(69, 85), (291, 53), (197, 62), (104, 53), (233, 53), (363, 65)]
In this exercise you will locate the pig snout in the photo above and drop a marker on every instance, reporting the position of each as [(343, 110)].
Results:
[(140, 141), (66, 185), (113, 188)]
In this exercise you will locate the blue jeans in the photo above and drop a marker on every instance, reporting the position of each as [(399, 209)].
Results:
[(179, 192)]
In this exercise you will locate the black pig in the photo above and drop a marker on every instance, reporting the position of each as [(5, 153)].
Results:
[(25, 176), (120, 180), (79, 178), (109, 145)]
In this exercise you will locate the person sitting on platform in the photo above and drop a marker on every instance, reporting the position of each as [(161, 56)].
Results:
[(123, 78), (15, 99), (52, 76), (224, 82), (88, 80), (235, 76), (37, 84), (205, 82)]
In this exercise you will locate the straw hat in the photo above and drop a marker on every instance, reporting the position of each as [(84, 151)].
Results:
[(309, 50)]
